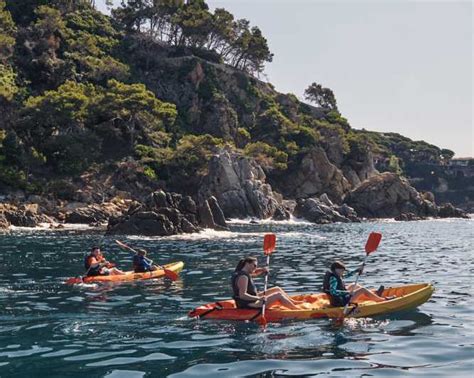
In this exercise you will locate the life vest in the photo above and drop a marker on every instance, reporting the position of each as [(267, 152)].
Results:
[(327, 278), (87, 265), (140, 264), (251, 288)]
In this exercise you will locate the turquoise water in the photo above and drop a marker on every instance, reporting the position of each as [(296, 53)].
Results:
[(141, 329)]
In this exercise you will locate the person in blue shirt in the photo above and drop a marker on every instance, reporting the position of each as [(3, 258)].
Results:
[(141, 263), (339, 293)]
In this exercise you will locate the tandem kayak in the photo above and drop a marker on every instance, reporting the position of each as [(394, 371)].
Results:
[(129, 276), (318, 306)]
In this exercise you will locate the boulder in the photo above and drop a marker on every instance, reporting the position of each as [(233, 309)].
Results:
[(4, 223), (89, 214), (313, 176), (317, 211), (146, 223), (447, 210), (163, 213), (385, 196), (389, 196), (239, 186)]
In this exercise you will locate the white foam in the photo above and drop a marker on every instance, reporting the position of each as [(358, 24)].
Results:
[(292, 220)]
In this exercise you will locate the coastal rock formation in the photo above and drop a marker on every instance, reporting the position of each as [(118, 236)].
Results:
[(322, 210), (93, 213), (25, 215), (314, 176), (163, 214), (388, 195), (239, 185)]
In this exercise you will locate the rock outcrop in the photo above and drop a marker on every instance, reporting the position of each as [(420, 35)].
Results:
[(25, 215), (323, 210), (164, 214), (94, 213), (314, 176), (239, 184), (389, 196)]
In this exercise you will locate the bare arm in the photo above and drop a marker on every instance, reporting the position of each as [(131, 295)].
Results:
[(242, 282)]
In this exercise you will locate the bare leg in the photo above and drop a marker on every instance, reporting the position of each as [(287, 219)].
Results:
[(115, 271), (363, 291), (276, 297), (277, 289)]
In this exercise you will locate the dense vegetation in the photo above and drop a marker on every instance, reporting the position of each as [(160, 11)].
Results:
[(158, 87)]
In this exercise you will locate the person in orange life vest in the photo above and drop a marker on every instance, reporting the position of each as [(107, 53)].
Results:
[(96, 264)]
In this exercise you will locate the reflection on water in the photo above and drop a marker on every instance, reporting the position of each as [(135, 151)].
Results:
[(141, 329)]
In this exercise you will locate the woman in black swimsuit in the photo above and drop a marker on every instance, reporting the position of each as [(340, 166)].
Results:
[(245, 292)]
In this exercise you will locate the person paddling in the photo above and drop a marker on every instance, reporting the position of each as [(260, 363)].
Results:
[(339, 293), (96, 264), (245, 291), (141, 263)]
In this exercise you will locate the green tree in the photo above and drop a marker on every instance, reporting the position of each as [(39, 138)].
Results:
[(8, 87), (136, 108), (60, 111), (7, 33), (323, 97)]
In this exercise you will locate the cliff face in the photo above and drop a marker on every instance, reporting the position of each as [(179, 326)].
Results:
[(93, 111)]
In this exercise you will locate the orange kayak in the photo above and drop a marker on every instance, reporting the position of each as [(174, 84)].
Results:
[(318, 306), (128, 276)]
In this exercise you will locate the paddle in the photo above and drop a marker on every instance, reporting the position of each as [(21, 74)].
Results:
[(372, 243), (269, 242), (168, 273)]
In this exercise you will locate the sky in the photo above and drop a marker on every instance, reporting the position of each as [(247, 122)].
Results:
[(394, 65)]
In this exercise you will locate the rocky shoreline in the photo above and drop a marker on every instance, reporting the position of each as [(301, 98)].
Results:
[(234, 187)]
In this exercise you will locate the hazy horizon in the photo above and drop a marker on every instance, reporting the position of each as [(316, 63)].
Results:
[(394, 66)]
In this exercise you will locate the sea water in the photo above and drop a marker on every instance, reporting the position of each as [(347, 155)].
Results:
[(141, 329)]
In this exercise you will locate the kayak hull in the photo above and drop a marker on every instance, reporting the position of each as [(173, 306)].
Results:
[(317, 306), (130, 275)]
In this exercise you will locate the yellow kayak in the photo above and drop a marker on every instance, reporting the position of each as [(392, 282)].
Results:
[(318, 306), (130, 275)]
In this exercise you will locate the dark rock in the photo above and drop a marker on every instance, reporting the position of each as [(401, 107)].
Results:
[(4, 223), (407, 217), (447, 210), (314, 210), (188, 227), (313, 176), (217, 213), (160, 214), (239, 186), (142, 223), (281, 214), (187, 205), (385, 196)]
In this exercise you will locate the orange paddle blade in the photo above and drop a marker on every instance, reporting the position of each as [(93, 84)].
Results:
[(372, 242), (73, 281), (269, 242), (173, 276)]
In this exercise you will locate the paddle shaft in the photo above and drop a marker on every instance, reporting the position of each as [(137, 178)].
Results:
[(265, 287), (355, 284)]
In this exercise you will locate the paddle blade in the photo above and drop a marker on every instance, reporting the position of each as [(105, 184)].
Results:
[(372, 242), (269, 242), (123, 245), (173, 276), (73, 281)]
